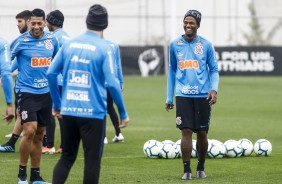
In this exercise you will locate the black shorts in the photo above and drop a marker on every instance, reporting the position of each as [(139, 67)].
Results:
[(35, 107), (16, 103), (193, 113)]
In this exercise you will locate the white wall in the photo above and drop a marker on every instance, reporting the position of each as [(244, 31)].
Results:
[(140, 22)]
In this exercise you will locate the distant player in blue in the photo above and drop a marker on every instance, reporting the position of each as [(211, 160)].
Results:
[(6, 78), (34, 51), (54, 22), (110, 103), (86, 63), (193, 74), (22, 24)]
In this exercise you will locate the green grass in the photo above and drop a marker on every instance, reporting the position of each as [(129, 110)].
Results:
[(247, 107)]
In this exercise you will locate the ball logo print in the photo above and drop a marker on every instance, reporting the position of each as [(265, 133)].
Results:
[(233, 149), (247, 147), (262, 147), (169, 150), (152, 148), (216, 149), (212, 150)]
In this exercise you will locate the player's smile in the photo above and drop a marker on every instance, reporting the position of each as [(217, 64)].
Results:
[(37, 25), (190, 26)]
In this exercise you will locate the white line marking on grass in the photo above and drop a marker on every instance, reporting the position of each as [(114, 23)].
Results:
[(78, 158)]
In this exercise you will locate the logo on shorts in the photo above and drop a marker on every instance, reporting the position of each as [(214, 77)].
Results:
[(178, 121), (24, 115)]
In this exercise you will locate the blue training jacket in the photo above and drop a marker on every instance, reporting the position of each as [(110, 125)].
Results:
[(193, 69), (85, 62), (63, 38), (118, 68), (34, 56), (5, 68)]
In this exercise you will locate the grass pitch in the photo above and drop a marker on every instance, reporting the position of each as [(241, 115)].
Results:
[(247, 107)]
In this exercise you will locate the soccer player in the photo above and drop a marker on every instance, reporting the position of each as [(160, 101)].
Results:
[(86, 63), (193, 71), (34, 51), (6, 78), (110, 103), (22, 23), (54, 22), (22, 19)]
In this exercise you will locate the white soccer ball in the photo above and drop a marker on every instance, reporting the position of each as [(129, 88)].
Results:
[(216, 149), (215, 141), (168, 141), (194, 153), (247, 147), (230, 140), (262, 147), (145, 146), (233, 149), (169, 151), (153, 149), (178, 144)]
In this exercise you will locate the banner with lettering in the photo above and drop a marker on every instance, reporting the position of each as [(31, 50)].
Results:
[(260, 61), (249, 60)]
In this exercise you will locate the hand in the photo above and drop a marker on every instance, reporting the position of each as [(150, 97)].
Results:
[(9, 115), (57, 113), (168, 107), (212, 97), (123, 123)]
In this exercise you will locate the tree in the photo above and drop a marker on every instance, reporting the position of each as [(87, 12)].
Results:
[(255, 36)]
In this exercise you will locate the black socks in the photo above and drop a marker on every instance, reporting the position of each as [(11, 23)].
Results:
[(187, 167)]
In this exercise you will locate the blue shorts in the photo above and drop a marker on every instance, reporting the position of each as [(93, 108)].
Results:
[(193, 113)]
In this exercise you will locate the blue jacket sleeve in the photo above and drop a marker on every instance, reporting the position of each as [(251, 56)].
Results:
[(213, 68), (54, 70), (14, 48), (14, 65), (56, 46), (6, 73), (113, 85), (118, 64), (171, 75)]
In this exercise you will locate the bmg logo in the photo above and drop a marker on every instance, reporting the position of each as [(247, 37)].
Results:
[(79, 78)]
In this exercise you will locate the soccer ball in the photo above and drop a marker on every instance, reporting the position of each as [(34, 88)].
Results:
[(194, 153), (216, 149), (215, 141), (153, 148), (262, 147), (178, 144), (230, 140), (145, 146), (247, 147), (168, 141), (169, 151), (233, 149)]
